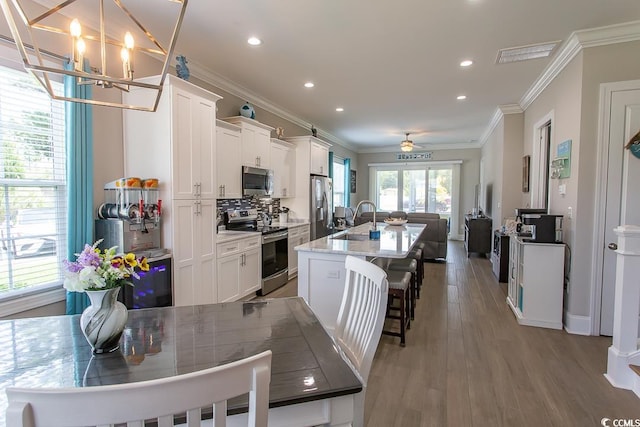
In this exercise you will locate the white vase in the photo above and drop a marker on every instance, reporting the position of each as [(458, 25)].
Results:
[(103, 321)]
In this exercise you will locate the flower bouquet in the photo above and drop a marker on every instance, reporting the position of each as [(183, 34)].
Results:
[(97, 270), (101, 274)]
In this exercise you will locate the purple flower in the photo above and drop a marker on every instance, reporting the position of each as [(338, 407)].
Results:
[(89, 257), (72, 267)]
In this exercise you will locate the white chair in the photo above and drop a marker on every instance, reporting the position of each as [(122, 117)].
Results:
[(360, 320), (159, 399)]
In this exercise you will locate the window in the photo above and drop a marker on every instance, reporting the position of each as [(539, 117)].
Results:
[(32, 186), (339, 182), (429, 187)]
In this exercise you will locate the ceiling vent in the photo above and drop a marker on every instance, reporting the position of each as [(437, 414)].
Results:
[(524, 53)]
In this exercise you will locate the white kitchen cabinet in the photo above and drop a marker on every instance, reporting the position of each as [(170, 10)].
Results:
[(283, 157), (239, 268), (536, 282), (228, 161), (298, 235), (255, 140), (306, 164), (319, 158), (194, 252), (176, 145)]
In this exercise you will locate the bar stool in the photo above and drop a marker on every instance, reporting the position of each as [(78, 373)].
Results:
[(399, 287), (416, 253), (408, 265)]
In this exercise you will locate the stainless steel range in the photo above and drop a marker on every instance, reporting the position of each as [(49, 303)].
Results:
[(275, 246)]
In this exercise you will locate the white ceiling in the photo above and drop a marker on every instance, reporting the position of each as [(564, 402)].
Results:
[(392, 65)]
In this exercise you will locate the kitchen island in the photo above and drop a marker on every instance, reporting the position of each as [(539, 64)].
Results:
[(321, 272)]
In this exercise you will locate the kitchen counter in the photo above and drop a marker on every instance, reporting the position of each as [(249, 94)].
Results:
[(395, 241), (321, 272)]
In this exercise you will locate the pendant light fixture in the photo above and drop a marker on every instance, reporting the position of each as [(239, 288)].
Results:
[(407, 144), (118, 39)]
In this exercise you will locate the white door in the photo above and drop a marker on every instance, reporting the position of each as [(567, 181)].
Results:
[(622, 202)]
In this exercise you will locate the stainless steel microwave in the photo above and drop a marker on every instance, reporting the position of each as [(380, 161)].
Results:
[(257, 182)]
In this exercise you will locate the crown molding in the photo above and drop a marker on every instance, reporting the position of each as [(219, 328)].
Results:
[(500, 112), (241, 92), (423, 147), (578, 40)]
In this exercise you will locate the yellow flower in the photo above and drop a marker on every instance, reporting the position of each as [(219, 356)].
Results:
[(144, 266), (131, 260)]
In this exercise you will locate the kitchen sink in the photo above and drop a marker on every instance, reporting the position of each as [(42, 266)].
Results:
[(348, 236)]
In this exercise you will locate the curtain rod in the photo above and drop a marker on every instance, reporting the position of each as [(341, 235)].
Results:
[(9, 40)]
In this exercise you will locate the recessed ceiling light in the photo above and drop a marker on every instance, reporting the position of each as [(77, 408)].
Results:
[(339, 109), (461, 97), (466, 63), (254, 41), (309, 84)]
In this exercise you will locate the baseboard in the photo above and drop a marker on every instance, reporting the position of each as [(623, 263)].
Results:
[(577, 325)]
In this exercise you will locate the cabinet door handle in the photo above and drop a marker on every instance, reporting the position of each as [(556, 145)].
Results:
[(224, 190)]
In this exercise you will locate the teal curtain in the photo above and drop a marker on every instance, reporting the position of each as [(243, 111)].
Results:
[(347, 182), (79, 145), (331, 164)]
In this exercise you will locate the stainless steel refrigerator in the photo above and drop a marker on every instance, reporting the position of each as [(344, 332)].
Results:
[(321, 212)]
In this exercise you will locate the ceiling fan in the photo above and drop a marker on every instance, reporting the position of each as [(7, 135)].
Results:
[(407, 144)]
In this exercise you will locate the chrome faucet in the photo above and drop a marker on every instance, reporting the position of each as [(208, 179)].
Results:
[(369, 202)]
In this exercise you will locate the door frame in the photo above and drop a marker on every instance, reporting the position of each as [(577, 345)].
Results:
[(602, 166)]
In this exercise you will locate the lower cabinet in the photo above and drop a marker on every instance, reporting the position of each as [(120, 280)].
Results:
[(238, 269), (536, 282), (298, 235)]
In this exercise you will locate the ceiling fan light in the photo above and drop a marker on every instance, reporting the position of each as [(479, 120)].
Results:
[(406, 145)]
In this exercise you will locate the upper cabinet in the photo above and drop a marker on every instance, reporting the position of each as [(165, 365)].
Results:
[(319, 158), (255, 137), (283, 163), (228, 160)]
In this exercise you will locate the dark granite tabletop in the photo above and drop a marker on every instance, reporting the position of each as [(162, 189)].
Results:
[(162, 342)]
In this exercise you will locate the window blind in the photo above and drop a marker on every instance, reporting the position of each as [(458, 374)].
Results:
[(32, 185)]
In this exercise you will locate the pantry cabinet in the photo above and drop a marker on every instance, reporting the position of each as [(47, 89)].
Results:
[(176, 145), (228, 161), (255, 141), (536, 282), (283, 157)]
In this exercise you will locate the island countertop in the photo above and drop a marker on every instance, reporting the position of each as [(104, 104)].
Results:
[(395, 241)]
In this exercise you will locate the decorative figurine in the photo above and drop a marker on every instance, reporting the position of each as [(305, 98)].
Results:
[(314, 131), (279, 132), (182, 70), (247, 111)]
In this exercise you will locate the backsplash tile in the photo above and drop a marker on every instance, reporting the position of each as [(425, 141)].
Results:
[(262, 204)]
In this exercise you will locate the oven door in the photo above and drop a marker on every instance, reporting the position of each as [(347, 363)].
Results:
[(275, 261), (257, 182)]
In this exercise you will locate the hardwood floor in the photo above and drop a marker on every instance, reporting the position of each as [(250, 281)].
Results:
[(467, 362)]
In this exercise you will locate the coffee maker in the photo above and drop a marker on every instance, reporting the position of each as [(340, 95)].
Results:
[(539, 227), (130, 217)]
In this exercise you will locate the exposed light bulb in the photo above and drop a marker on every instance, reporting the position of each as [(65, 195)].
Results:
[(124, 54), (75, 29), (128, 40)]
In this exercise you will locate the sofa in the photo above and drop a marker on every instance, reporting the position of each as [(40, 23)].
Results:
[(434, 235)]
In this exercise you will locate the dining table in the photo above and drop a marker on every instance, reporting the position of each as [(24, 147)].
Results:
[(312, 381)]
